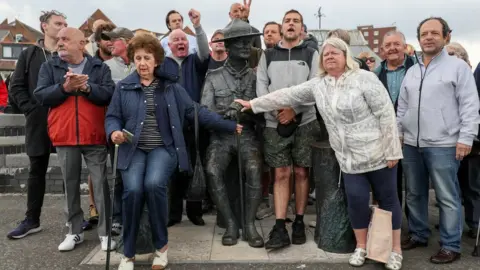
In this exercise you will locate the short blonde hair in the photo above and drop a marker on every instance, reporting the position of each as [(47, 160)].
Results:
[(459, 51), (363, 55), (350, 63)]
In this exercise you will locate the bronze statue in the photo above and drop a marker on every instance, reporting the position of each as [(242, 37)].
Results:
[(235, 80)]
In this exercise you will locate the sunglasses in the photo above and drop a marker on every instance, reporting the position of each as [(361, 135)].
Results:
[(369, 59)]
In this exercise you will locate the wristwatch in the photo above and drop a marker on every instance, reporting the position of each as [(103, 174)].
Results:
[(87, 89)]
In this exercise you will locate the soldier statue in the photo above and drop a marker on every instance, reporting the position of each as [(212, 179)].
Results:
[(234, 80)]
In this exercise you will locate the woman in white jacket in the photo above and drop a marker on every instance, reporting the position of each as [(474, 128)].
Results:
[(360, 120)]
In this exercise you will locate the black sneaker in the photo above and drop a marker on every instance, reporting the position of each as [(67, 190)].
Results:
[(25, 228), (278, 238), (298, 233)]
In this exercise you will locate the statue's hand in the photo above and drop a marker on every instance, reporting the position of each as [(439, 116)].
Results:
[(231, 114)]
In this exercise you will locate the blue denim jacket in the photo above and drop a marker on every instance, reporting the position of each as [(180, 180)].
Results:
[(172, 106)]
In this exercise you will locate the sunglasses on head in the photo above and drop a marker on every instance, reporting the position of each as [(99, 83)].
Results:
[(47, 14)]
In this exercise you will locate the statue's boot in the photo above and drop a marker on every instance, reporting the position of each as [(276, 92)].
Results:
[(253, 200), (231, 235)]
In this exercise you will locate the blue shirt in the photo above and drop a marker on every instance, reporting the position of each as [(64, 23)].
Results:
[(192, 45), (394, 78)]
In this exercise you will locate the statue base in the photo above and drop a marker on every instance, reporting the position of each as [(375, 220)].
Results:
[(333, 232)]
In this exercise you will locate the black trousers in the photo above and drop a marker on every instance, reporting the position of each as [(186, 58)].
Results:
[(469, 179), (400, 186), (36, 186), (181, 180)]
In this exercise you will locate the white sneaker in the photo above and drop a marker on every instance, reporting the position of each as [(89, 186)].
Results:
[(394, 262), (104, 242), (71, 240), (160, 260), (126, 264)]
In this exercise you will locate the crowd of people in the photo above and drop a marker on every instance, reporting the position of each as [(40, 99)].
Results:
[(414, 116)]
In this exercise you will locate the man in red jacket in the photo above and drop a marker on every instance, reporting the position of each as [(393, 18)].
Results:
[(77, 88)]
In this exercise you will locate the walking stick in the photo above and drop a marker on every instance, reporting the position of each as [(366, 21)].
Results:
[(109, 229), (475, 249), (240, 178)]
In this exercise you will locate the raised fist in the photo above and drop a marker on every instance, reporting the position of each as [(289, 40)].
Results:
[(194, 17)]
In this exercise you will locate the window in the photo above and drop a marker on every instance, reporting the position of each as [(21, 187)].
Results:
[(375, 50), (7, 52), (375, 41), (365, 34), (12, 52), (375, 33)]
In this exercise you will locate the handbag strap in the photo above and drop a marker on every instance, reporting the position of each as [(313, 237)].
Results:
[(197, 147)]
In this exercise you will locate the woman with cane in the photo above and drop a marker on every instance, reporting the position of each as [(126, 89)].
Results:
[(152, 109)]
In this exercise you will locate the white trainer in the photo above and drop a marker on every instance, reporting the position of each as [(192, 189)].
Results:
[(126, 264), (160, 260), (71, 240), (104, 242)]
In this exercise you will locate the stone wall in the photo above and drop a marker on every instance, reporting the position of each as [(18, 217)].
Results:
[(14, 162)]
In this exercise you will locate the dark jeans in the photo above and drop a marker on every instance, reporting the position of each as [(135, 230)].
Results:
[(146, 180), (383, 182), (469, 178), (36, 186), (117, 190)]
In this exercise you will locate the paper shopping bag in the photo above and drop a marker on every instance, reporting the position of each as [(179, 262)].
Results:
[(379, 239)]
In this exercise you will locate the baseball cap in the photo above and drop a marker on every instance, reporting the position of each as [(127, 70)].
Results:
[(219, 31), (119, 32)]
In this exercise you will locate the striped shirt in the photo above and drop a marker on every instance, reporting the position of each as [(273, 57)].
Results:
[(150, 137)]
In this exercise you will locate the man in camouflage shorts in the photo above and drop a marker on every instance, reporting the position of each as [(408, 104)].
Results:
[(289, 132)]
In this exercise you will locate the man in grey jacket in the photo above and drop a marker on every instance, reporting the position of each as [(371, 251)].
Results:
[(290, 131), (438, 119)]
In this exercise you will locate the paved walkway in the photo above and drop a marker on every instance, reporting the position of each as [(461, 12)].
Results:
[(191, 247)]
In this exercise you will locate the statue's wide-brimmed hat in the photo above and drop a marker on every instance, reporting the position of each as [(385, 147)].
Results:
[(236, 29)]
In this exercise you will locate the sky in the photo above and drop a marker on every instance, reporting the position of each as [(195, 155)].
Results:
[(463, 16)]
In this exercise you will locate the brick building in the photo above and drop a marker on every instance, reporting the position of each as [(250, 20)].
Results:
[(374, 35), (15, 36)]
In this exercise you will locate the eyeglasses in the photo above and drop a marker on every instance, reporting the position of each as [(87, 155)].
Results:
[(47, 14)]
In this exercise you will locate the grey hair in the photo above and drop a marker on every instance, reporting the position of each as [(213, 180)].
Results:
[(350, 63), (459, 50), (396, 33)]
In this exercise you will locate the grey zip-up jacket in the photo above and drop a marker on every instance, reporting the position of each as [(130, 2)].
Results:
[(446, 110), (286, 68)]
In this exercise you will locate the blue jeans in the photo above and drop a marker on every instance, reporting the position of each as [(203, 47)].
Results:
[(440, 165), (146, 180)]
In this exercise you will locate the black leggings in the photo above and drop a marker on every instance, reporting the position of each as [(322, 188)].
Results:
[(384, 185)]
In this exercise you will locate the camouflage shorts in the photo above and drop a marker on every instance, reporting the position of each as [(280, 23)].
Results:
[(296, 149)]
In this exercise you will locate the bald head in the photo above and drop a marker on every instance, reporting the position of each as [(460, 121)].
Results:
[(176, 34), (97, 24), (71, 44)]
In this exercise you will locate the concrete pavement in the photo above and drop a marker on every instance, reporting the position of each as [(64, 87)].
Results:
[(40, 252)]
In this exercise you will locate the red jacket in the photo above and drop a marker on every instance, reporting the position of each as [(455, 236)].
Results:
[(3, 94), (75, 118)]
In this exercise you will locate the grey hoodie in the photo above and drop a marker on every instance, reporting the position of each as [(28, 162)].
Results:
[(286, 68)]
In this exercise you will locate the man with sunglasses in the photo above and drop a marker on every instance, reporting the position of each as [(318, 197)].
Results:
[(37, 141)]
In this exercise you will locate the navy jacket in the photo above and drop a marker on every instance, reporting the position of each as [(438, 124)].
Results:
[(191, 73), (173, 106)]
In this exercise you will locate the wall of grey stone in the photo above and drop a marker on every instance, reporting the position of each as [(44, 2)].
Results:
[(14, 162)]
